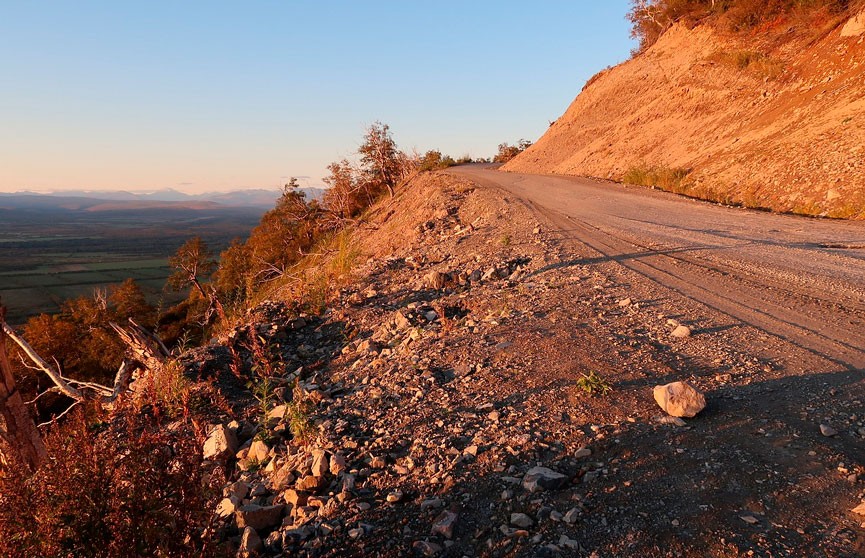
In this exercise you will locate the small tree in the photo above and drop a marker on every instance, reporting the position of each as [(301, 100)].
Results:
[(127, 300), (193, 262), (380, 158), (508, 152)]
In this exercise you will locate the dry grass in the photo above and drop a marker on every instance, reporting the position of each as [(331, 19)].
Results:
[(753, 61), (666, 178)]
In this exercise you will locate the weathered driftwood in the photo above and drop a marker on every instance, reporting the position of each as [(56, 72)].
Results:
[(18, 431), (145, 352)]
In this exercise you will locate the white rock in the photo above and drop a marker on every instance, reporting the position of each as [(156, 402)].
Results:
[(258, 451), (681, 331), (828, 431), (676, 421), (337, 464), (395, 496), (680, 399), (521, 520), (541, 478), (572, 516), (320, 464), (855, 26), (444, 524), (220, 444)]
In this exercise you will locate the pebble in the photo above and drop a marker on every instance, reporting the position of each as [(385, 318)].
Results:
[(572, 516), (395, 496), (521, 520), (828, 431)]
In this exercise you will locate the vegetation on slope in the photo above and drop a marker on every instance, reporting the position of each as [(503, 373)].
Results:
[(650, 18)]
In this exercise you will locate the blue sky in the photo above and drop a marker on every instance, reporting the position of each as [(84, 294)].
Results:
[(215, 95)]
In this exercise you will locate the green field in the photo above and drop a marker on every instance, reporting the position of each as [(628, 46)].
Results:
[(49, 256), (43, 289)]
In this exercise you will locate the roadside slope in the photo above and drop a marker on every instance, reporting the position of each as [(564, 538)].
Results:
[(452, 366), (759, 125)]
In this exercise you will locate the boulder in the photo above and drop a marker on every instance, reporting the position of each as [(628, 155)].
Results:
[(259, 517), (320, 463), (680, 399), (250, 543), (220, 444), (258, 451), (855, 26)]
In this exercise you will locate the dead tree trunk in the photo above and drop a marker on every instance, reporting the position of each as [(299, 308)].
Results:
[(19, 432)]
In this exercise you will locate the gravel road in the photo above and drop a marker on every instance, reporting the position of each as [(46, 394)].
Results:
[(801, 280)]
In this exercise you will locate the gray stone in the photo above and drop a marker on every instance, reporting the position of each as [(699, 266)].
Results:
[(521, 520), (431, 504), (828, 431), (444, 524), (541, 478), (259, 517)]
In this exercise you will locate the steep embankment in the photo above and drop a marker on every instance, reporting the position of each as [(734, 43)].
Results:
[(757, 124)]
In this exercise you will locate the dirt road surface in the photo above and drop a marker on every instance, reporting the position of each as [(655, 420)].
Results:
[(800, 280)]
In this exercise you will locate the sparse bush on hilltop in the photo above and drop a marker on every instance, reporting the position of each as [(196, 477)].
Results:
[(650, 18), (507, 152), (434, 160)]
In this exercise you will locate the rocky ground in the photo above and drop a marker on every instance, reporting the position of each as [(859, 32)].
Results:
[(484, 388)]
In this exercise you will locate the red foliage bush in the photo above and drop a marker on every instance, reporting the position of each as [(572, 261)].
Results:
[(131, 489)]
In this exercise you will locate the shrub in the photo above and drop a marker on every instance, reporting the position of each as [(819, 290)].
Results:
[(507, 152), (650, 18), (754, 61), (594, 384), (131, 490), (666, 178), (434, 160)]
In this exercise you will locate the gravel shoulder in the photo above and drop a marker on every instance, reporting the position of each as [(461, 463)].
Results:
[(453, 371)]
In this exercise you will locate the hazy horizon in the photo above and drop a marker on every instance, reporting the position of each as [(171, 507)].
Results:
[(215, 97)]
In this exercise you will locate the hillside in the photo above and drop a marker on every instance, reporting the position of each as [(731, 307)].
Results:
[(479, 382), (745, 119)]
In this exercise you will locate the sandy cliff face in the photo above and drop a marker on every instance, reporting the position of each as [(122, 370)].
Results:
[(775, 127)]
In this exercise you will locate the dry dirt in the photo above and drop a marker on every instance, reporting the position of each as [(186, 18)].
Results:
[(786, 132), (450, 368)]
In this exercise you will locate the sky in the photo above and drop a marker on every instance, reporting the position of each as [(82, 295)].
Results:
[(213, 96)]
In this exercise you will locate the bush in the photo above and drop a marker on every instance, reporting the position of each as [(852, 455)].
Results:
[(131, 490), (666, 178), (507, 152), (434, 160), (650, 18)]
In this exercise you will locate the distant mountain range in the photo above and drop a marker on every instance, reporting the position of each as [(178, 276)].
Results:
[(95, 200)]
